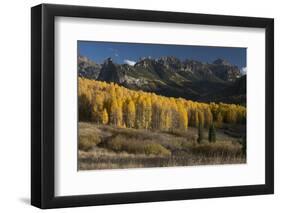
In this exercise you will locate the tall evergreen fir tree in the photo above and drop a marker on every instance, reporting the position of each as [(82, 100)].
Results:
[(212, 133)]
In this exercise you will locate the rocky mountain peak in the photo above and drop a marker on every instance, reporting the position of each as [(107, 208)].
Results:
[(144, 62), (189, 78), (221, 61), (170, 62), (224, 70), (108, 61), (82, 59), (87, 68), (109, 71)]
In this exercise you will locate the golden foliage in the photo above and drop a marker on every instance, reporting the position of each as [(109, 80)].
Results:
[(109, 103)]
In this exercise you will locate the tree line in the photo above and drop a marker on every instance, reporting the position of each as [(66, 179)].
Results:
[(109, 103)]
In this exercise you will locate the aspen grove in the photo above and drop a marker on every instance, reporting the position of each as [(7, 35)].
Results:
[(109, 103)]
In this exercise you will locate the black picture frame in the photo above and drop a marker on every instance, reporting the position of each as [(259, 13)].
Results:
[(43, 117)]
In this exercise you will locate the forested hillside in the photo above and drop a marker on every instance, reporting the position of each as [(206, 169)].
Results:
[(109, 103)]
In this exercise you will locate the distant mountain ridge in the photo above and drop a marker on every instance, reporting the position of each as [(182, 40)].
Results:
[(88, 68), (170, 76)]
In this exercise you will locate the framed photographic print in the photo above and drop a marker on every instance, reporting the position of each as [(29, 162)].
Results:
[(139, 106)]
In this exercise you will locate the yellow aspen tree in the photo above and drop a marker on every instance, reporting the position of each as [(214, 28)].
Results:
[(84, 106), (120, 122), (113, 112), (130, 114), (156, 114), (162, 120), (219, 120), (208, 117), (147, 112), (230, 115), (187, 124), (183, 119), (138, 123), (214, 109), (97, 108), (194, 118), (104, 116), (173, 108), (140, 112), (201, 118), (166, 119), (242, 116)]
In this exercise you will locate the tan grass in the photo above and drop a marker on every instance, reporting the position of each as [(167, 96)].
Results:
[(107, 147)]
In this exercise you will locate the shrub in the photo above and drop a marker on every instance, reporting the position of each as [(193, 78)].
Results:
[(135, 146), (86, 142), (156, 149)]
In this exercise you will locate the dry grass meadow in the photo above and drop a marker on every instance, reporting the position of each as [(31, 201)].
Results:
[(108, 147)]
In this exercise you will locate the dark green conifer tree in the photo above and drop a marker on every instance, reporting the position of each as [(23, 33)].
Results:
[(212, 133)]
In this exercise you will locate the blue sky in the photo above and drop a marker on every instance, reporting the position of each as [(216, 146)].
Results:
[(131, 52)]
